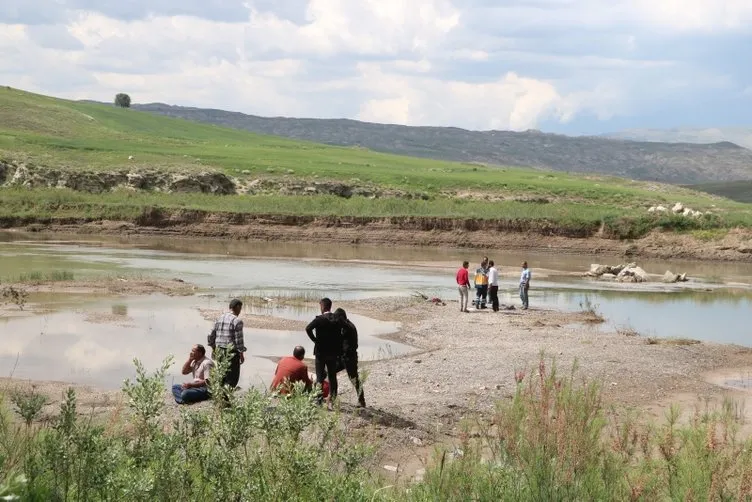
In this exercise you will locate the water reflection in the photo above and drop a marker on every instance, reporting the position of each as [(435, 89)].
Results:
[(89, 347)]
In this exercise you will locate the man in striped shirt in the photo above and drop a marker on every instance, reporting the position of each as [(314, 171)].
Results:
[(226, 341)]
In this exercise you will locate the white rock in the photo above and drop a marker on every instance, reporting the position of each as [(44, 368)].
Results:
[(131, 157), (652, 209), (391, 468), (661, 209), (678, 207)]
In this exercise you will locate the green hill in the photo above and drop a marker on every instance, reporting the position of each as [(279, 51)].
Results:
[(677, 162), (47, 142)]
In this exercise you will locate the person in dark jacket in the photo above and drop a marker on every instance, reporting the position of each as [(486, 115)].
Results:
[(327, 349), (350, 352)]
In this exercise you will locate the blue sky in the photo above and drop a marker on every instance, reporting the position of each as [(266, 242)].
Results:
[(567, 66)]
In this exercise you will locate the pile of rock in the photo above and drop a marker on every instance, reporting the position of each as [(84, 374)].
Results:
[(678, 209), (629, 272)]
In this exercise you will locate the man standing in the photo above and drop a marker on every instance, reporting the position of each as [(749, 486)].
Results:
[(493, 286), (481, 284), (327, 348), (226, 341), (524, 286), (350, 352), (463, 284), (200, 366), (291, 370)]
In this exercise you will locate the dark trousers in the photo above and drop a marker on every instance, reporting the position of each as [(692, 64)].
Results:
[(232, 376), (493, 295), (188, 396), (351, 366), (481, 294), (326, 366)]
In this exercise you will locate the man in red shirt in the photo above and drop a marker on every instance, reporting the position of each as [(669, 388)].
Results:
[(463, 284), (290, 370)]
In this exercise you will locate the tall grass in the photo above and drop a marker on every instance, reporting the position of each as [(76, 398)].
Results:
[(553, 441), (37, 277)]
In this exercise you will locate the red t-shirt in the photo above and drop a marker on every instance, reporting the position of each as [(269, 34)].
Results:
[(462, 277), (290, 370)]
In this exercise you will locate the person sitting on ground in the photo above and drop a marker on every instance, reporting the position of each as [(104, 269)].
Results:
[(200, 366), (290, 370), (350, 352)]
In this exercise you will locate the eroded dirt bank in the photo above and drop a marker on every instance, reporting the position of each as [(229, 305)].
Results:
[(736, 245)]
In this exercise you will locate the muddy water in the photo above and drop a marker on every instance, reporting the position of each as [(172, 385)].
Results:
[(94, 341), (66, 345)]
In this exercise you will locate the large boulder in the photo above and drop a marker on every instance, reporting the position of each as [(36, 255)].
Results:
[(633, 273), (678, 208)]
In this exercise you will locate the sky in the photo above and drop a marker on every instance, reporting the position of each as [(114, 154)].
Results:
[(565, 66)]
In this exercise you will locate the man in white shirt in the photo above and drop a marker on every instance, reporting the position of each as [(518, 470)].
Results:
[(525, 286), (199, 366), (493, 286)]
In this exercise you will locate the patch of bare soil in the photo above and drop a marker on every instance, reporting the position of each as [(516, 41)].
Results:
[(259, 321), (736, 245), (113, 286)]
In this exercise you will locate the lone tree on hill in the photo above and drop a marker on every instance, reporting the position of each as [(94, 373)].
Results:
[(122, 100)]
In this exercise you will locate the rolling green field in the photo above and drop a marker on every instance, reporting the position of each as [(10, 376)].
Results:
[(42, 131)]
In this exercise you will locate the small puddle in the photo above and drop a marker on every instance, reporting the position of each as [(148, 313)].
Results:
[(739, 383)]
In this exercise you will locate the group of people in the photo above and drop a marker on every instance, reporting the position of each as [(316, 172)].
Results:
[(486, 283), (335, 340)]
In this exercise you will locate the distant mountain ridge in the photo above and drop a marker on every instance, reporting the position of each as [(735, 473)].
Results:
[(740, 135), (677, 163)]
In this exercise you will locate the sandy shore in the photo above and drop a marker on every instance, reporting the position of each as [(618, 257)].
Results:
[(464, 363)]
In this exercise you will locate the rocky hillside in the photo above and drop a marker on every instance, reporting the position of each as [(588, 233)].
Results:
[(678, 163), (740, 135)]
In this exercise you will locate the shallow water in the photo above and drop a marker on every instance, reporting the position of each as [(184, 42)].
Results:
[(64, 346), (70, 345)]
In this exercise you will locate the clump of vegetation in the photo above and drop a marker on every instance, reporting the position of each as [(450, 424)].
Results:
[(671, 341), (36, 277), (15, 295), (590, 311), (554, 440)]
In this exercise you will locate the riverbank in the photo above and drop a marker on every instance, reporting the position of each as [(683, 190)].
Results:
[(463, 364), (729, 245)]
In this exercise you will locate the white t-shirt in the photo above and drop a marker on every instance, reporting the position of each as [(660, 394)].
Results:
[(525, 277), (493, 277), (201, 368)]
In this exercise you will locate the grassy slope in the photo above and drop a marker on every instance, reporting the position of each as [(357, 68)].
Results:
[(58, 133)]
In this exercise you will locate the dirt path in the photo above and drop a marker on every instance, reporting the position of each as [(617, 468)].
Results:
[(736, 245)]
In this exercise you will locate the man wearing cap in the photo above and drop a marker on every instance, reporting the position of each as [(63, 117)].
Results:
[(226, 341)]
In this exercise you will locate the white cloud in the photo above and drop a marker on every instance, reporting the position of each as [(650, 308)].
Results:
[(469, 63), (508, 102), (688, 15)]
